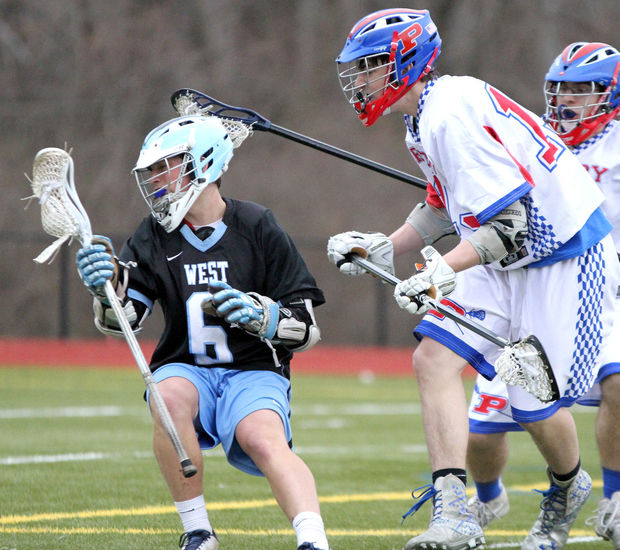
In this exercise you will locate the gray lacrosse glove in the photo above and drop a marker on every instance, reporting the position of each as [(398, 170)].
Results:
[(107, 322), (375, 247), (435, 279), (251, 311)]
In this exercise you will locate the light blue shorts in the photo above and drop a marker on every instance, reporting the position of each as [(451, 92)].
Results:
[(226, 397)]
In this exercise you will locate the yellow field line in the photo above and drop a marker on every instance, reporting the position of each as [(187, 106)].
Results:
[(224, 505), (253, 532), (161, 510)]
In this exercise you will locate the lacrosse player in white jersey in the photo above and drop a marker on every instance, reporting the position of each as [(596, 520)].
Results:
[(582, 93), (238, 300), (535, 257)]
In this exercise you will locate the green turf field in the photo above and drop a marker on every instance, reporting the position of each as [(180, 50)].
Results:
[(77, 472)]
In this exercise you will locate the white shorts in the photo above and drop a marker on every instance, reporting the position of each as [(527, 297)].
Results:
[(489, 408), (569, 306)]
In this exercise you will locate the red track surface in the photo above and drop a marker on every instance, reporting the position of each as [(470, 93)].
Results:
[(113, 353)]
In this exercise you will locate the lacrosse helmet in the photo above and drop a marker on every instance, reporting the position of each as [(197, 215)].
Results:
[(204, 148), (403, 42), (588, 70)]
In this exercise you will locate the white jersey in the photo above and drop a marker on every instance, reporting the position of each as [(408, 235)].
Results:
[(600, 155), (489, 409), (481, 151)]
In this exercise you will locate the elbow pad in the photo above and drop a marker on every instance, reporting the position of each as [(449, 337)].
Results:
[(503, 234), (430, 223), (297, 328)]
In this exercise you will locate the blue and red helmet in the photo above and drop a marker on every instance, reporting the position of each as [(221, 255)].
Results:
[(392, 49), (587, 70)]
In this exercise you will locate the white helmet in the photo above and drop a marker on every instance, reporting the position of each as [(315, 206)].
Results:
[(205, 149)]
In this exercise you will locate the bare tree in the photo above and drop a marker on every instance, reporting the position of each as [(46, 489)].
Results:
[(98, 76)]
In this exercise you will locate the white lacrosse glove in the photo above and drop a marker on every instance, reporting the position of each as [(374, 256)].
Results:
[(251, 311), (435, 279), (375, 247)]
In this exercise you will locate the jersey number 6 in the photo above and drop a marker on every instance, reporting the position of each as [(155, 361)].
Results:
[(208, 343)]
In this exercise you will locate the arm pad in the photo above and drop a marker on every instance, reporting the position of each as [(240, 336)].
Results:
[(291, 325), (430, 223), (503, 234), (297, 328)]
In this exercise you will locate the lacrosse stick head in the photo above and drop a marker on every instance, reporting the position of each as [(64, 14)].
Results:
[(239, 123), (525, 364), (62, 213), (177, 161)]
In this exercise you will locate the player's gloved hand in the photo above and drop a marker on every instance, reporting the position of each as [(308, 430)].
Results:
[(96, 264), (253, 312), (375, 247), (435, 279)]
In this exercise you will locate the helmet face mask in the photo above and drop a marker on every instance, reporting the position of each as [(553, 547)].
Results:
[(366, 79), (385, 54), (582, 94), (177, 161), (586, 104), (165, 182)]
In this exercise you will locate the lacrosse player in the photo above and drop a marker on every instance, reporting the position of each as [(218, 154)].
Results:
[(535, 257), (237, 300), (582, 95)]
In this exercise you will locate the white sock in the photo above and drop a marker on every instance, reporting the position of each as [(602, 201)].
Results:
[(309, 528), (193, 514)]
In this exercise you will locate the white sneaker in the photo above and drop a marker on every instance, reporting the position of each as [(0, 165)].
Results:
[(607, 519), (486, 512), (199, 540), (559, 509), (452, 526)]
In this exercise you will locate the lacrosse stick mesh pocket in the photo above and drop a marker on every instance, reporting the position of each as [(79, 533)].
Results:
[(523, 364), (238, 132), (62, 214)]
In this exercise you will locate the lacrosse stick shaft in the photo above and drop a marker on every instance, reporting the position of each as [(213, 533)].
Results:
[(450, 313), (63, 216), (187, 466), (346, 155), (534, 382), (212, 107)]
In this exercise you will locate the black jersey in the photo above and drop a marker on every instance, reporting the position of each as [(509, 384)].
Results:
[(250, 251)]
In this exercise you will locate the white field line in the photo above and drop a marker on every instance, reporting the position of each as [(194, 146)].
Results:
[(335, 421), (66, 412), (302, 411), (67, 457), (362, 409), (338, 450), (571, 540)]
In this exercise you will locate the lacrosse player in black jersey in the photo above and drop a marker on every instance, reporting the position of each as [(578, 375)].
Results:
[(237, 299)]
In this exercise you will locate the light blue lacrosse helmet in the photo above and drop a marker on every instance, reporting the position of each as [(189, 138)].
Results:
[(597, 66), (202, 149)]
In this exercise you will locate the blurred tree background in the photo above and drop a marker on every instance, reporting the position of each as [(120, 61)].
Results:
[(98, 76)]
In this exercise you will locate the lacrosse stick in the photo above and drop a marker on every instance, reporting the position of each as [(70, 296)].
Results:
[(64, 217), (241, 122), (523, 363)]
